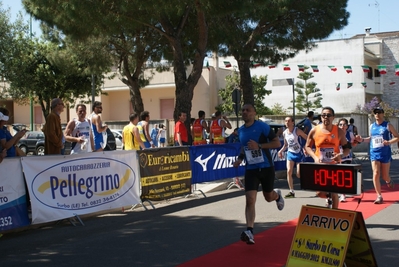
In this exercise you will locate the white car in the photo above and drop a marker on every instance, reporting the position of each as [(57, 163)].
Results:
[(118, 138)]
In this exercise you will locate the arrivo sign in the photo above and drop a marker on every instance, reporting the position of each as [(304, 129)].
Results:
[(334, 178)]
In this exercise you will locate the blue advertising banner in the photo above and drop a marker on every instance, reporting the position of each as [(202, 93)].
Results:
[(13, 206), (214, 162)]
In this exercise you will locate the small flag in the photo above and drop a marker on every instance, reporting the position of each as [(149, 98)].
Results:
[(256, 64), (314, 68), (397, 70), (349, 85), (366, 68), (392, 83), (301, 68), (332, 68), (286, 67), (348, 69), (364, 85), (227, 64), (382, 69), (338, 87), (272, 66)]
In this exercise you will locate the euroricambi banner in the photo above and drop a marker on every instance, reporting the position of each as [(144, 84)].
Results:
[(13, 206), (321, 237), (165, 173), (64, 186)]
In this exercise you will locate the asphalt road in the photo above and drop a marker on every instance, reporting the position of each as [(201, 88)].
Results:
[(177, 231)]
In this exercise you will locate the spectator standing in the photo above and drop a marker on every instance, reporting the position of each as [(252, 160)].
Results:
[(154, 135), (98, 127), (162, 136), (79, 133), (217, 128), (181, 133), (7, 141), (233, 137), (380, 150), (130, 134), (351, 127), (54, 137), (144, 129), (200, 128), (256, 139), (295, 153), (308, 122)]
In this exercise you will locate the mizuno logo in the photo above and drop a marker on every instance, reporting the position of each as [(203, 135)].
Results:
[(204, 162)]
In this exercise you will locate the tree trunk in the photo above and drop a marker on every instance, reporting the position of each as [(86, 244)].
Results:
[(246, 81)]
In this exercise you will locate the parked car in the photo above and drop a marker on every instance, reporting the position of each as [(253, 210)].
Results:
[(111, 145), (118, 138), (28, 143)]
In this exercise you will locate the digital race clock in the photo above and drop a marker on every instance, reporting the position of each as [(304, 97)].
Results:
[(334, 178)]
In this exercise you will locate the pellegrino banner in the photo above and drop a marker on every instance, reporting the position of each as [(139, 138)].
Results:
[(62, 187), (13, 206)]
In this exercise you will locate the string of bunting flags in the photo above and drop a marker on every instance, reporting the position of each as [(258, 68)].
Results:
[(315, 68)]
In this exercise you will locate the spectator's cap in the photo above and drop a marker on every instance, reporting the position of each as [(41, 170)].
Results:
[(213, 115), (378, 109), (3, 117)]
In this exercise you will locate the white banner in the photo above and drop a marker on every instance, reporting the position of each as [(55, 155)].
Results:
[(13, 206), (64, 186)]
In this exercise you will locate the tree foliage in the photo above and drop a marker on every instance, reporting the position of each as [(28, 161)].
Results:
[(44, 69), (367, 108), (232, 83), (278, 109), (274, 31), (308, 96)]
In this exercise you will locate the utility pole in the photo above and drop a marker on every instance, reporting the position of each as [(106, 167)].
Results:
[(31, 96)]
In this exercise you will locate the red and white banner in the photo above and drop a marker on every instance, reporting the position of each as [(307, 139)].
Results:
[(61, 187)]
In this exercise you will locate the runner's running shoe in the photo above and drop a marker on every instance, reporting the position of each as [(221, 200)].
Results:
[(280, 200), (247, 237), (379, 200), (391, 184), (290, 195)]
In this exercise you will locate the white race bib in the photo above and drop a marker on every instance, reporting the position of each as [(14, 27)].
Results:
[(377, 141), (326, 154), (253, 156)]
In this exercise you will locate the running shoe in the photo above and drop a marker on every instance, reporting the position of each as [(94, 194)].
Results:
[(391, 184), (379, 200), (247, 237), (290, 195), (342, 198), (280, 200)]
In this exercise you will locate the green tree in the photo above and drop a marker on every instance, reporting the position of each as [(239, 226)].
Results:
[(52, 67), (308, 97), (273, 31), (232, 83), (278, 109)]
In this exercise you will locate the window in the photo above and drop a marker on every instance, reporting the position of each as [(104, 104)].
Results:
[(370, 73), (377, 73)]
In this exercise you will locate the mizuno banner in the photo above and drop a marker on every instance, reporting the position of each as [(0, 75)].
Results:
[(215, 162)]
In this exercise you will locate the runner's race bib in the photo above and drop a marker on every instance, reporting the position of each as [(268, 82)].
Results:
[(326, 154), (377, 141), (254, 156)]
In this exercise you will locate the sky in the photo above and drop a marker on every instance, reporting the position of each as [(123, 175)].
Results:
[(380, 16)]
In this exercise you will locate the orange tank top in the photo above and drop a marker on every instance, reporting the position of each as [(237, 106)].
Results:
[(327, 144)]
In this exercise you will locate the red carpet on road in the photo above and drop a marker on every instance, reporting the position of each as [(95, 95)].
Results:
[(272, 246)]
